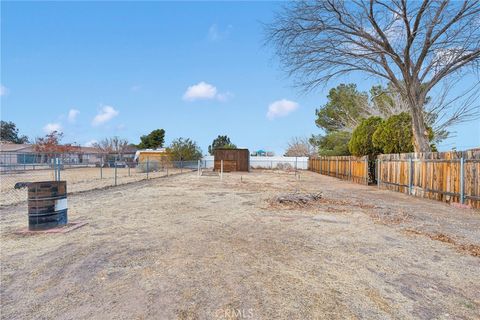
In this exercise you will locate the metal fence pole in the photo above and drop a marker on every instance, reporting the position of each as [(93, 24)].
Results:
[(101, 167), (128, 170), (328, 173), (115, 173), (198, 168), (55, 169), (462, 180)]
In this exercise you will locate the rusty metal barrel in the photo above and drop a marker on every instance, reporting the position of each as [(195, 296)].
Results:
[(47, 204)]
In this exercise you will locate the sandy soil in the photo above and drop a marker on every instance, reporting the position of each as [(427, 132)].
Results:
[(188, 247), (78, 179)]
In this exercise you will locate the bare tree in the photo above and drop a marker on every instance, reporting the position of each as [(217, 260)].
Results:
[(114, 145), (412, 44), (300, 147)]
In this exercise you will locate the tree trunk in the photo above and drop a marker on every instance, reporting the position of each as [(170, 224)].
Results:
[(420, 133)]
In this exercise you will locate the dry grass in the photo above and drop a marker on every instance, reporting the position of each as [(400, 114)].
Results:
[(471, 249), (78, 180), (190, 247)]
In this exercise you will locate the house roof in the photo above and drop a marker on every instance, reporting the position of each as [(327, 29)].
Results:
[(90, 150), (14, 147)]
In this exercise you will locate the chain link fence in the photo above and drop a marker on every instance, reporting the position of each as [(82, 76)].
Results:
[(82, 172)]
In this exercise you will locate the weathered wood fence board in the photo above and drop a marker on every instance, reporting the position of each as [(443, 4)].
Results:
[(343, 167), (444, 176)]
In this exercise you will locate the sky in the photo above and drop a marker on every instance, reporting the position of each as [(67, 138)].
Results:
[(196, 69)]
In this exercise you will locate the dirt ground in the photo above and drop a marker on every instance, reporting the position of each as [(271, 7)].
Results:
[(78, 179), (189, 247)]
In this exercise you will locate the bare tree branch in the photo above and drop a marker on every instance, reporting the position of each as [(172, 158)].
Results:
[(414, 45)]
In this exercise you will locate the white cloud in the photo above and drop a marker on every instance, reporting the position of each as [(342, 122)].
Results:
[(106, 114), (205, 91), (216, 34), (50, 127), (201, 90), (281, 108), (90, 143), (72, 115), (3, 90)]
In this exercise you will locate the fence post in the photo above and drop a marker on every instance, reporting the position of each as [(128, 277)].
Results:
[(336, 169), (462, 180), (366, 170), (349, 168), (101, 167), (221, 169), (115, 173), (128, 170), (56, 168), (379, 172), (410, 176), (148, 166), (328, 173), (198, 168)]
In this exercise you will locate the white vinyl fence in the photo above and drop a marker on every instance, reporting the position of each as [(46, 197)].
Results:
[(283, 163)]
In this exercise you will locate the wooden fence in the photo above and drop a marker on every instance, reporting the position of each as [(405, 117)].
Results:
[(444, 176), (343, 167)]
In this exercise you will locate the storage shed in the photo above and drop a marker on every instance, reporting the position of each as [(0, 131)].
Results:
[(233, 160)]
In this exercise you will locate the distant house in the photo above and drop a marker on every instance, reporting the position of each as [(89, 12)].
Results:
[(20, 154), (11, 153)]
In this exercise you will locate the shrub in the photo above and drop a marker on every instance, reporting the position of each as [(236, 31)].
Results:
[(395, 134), (361, 142), (334, 143), (182, 149), (284, 166)]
